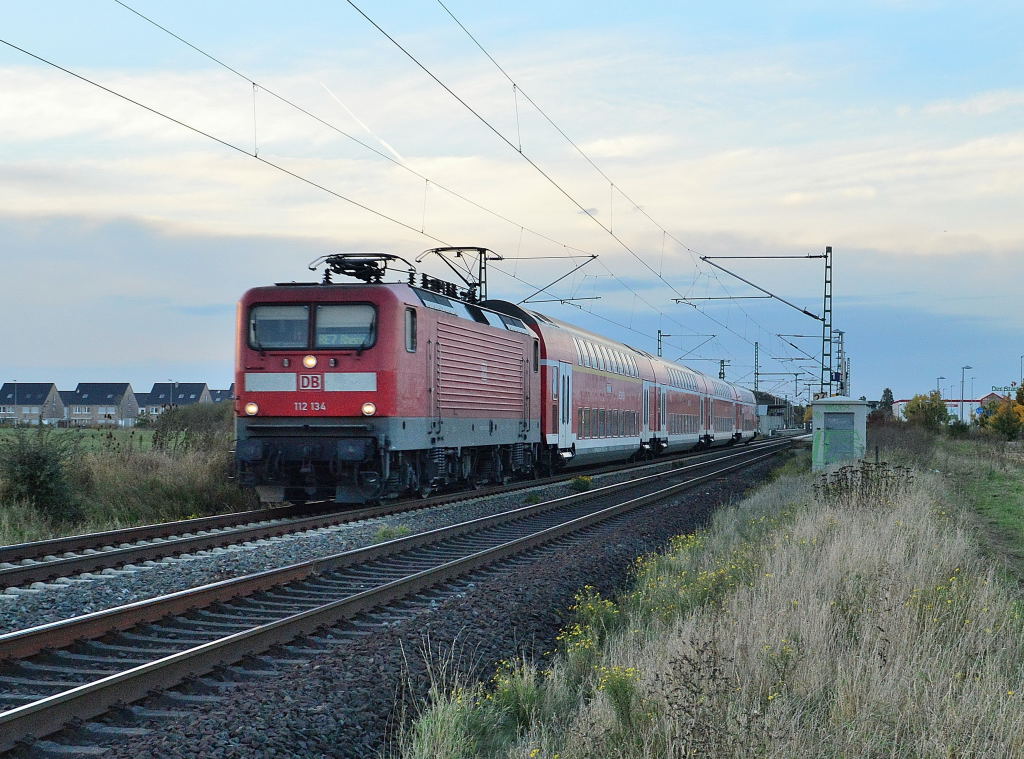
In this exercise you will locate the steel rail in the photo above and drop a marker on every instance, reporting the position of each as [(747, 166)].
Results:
[(22, 643), (50, 713), (176, 538)]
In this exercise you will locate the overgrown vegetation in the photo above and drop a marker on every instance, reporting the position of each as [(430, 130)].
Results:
[(34, 465), (55, 482), (389, 532), (581, 483), (852, 614)]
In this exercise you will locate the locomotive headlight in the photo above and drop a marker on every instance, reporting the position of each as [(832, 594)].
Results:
[(309, 361), (252, 408), (369, 408)]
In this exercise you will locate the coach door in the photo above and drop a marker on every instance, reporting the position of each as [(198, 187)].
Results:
[(565, 406)]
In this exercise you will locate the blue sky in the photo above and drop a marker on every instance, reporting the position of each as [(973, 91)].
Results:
[(890, 130)]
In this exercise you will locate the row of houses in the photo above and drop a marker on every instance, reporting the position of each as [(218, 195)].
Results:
[(99, 403)]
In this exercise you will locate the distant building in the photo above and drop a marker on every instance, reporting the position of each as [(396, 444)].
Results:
[(991, 398), (94, 404), (971, 405), (219, 396), (775, 413), (165, 395), (30, 403)]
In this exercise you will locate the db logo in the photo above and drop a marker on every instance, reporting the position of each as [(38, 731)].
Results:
[(311, 382)]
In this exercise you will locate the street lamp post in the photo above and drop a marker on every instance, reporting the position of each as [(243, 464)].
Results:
[(938, 389), (963, 372)]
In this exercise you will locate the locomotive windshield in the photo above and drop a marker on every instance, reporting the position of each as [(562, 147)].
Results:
[(352, 325), (348, 326), (277, 327)]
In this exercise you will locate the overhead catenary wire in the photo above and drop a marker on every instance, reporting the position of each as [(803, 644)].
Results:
[(255, 154), (613, 186), (273, 165), (388, 157), (223, 142), (427, 181), (497, 132), (333, 127)]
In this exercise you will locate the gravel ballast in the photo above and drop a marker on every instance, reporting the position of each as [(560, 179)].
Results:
[(341, 702)]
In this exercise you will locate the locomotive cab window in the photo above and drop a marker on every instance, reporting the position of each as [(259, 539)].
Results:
[(348, 326), (410, 330), (278, 327)]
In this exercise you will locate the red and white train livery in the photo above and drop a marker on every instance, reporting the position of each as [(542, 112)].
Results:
[(358, 392)]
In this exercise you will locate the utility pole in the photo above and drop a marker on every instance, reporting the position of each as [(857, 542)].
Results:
[(826, 327), (963, 371), (841, 366), (757, 364), (826, 377)]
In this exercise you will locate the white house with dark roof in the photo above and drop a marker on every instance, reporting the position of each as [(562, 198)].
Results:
[(100, 403), (30, 403)]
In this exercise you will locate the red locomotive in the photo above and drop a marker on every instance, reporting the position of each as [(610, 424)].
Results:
[(356, 392)]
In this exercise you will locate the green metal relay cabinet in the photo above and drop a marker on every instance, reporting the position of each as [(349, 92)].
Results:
[(840, 430)]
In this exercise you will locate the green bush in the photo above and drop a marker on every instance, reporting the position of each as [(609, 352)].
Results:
[(581, 483), (34, 466), (201, 427)]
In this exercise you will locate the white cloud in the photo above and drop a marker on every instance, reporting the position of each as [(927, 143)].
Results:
[(628, 146), (982, 104)]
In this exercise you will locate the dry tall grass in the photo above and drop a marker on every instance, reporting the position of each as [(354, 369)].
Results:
[(845, 622), (120, 484)]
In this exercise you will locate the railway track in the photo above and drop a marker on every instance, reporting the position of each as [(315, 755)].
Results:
[(78, 668), (46, 560)]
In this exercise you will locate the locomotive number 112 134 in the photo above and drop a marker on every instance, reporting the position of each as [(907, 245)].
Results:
[(310, 406)]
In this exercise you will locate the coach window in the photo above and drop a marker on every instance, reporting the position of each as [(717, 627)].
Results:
[(276, 327), (410, 332), (536, 355), (349, 326)]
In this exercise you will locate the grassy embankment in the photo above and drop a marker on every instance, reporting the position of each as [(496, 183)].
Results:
[(858, 617), (89, 439), (62, 482)]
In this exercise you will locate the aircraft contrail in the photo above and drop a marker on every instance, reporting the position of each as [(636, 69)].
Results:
[(369, 131)]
